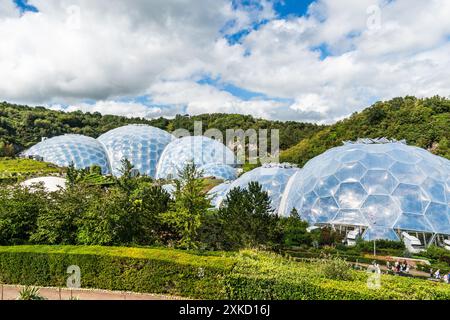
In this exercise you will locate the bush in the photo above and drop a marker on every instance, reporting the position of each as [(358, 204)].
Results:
[(334, 267), (30, 293)]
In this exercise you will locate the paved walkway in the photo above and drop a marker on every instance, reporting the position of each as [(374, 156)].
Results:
[(8, 292)]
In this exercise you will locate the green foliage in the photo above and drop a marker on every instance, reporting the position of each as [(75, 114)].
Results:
[(437, 254), (246, 275), (30, 293), (64, 213), (191, 203), (381, 245), (248, 218), (108, 220), (19, 212), (422, 122), (148, 203), (294, 231), (335, 268)]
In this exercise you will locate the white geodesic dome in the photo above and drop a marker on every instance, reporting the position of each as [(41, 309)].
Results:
[(199, 150), (142, 145), (80, 150), (381, 187)]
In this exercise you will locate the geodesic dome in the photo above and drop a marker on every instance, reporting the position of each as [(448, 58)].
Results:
[(197, 149), (142, 145), (218, 171), (272, 177), (381, 187), (80, 150)]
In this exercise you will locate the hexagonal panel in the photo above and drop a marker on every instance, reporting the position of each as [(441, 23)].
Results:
[(350, 195), (438, 216), (350, 155), (350, 172), (380, 211), (413, 222), (434, 189), (324, 209), (327, 186), (407, 173), (432, 170), (377, 161), (404, 156), (379, 182), (411, 198)]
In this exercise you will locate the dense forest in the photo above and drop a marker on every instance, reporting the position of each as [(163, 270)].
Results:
[(23, 126), (421, 122)]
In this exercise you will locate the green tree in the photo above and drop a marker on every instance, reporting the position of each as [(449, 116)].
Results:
[(108, 220), (189, 206), (148, 203), (249, 218), (19, 212), (59, 223)]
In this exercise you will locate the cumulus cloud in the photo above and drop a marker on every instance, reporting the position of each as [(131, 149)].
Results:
[(337, 59), (126, 109)]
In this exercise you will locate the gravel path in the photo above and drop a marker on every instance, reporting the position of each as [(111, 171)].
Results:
[(8, 292)]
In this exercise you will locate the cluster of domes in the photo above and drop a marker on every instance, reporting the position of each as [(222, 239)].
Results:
[(152, 151), (380, 186)]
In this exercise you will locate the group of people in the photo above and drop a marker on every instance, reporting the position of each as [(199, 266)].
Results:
[(438, 276), (399, 267)]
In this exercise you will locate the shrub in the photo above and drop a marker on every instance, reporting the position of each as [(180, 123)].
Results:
[(30, 293), (334, 267)]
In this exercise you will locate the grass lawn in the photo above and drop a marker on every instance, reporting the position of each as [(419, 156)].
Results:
[(26, 167)]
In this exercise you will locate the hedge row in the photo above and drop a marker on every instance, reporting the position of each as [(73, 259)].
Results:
[(245, 275)]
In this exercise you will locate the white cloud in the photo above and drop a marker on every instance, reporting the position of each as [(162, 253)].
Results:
[(127, 109), (200, 99), (161, 48)]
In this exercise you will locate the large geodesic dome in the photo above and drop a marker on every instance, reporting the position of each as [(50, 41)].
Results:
[(142, 145), (80, 150), (383, 187), (273, 179), (199, 150)]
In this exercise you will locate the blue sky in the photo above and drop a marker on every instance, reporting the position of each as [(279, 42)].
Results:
[(24, 6), (269, 58)]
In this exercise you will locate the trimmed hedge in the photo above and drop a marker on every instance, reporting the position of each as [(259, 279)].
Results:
[(245, 275), (161, 271)]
